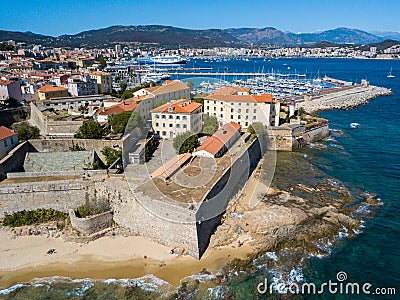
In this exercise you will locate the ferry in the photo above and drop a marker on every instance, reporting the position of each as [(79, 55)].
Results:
[(162, 60)]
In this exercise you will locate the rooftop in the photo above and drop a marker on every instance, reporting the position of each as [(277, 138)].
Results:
[(265, 98), (51, 88), (116, 109), (178, 107), (5, 132)]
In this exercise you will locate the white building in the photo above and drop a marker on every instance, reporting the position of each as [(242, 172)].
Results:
[(176, 117), (8, 140), (82, 86), (235, 104)]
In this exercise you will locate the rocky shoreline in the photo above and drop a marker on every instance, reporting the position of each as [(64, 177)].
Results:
[(344, 99)]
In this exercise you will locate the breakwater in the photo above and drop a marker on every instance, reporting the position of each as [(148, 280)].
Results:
[(343, 98)]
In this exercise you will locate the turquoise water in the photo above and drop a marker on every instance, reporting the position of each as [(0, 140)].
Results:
[(369, 161)]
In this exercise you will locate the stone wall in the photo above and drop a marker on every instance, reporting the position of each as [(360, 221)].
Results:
[(56, 173), (130, 213), (57, 194), (50, 127), (317, 133), (14, 161), (60, 145), (90, 224), (214, 204)]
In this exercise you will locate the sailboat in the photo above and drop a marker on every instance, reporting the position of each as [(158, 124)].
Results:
[(389, 75)]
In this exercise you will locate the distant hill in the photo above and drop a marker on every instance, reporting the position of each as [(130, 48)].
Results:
[(27, 37), (387, 35), (164, 35), (169, 36), (267, 35), (380, 46), (340, 35)]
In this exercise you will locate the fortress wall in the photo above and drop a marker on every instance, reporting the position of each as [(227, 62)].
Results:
[(214, 205), (14, 161), (61, 145), (130, 213), (60, 195), (316, 134), (91, 224)]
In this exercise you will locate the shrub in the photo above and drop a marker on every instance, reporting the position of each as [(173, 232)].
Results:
[(92, 208), (24, 217)]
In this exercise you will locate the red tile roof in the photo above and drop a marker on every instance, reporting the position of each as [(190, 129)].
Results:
[(5, 132), (178, 107), (231, 90), (116, 109), (51, 88), (220, 138), (171, 166)]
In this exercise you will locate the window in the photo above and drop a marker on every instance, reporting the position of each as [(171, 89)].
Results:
[(239, 110), (255, 111), (184, 117), (208, 108), (240, 103), (247, 124), (178, 125), (231, 109), (247, 104), (157, 124), (222, 103), (178, 117), (215, 108), (162, 116), (184, 125), (222, 109), (239, 116), (220, 115), (12, 140), (157, 116), (247, 117), (170, 125), (247, 111), (231, 117), (254, 117), (164, 133), (171, 117), (163, 124), (5, 143)]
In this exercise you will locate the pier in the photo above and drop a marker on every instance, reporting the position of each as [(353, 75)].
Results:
[(239, 74)]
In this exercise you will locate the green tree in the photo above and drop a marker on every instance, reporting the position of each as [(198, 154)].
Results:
[(256, 128), (26, 131), (301, 111), (190, 84), (83, 109), (199, 100), (103, 62), (90, 130), (186, 142), (126, 120), (210, 124), (111, 155), (123, 85)]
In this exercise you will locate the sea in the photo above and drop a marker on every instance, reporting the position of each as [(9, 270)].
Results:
[(365, 158)]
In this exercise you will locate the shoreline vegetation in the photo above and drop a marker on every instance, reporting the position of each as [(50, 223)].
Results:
[(23, 258)]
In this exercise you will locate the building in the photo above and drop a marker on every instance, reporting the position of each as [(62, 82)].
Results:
[(48, 92), (101, 115), (104, 82), (237, 105), (79, 85), (176, 117), (169, 90), (10, 90), (217, 144), (8, 140), (67, 103)]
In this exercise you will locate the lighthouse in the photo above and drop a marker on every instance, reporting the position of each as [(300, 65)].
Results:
[(291, 108)]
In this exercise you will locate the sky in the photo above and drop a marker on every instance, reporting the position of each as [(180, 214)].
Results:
[(69, 17)]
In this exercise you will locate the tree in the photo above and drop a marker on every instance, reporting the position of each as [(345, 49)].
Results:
[(126, 120), (83, 109), (199, 100), (301, 111), (185, 142), (210, 124), (256, 128), (26, 131), (103, 62), (90, 130), (111, 155), (190, 84), (123, 85)]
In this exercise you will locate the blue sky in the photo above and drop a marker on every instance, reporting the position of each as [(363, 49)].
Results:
[(63, 16)]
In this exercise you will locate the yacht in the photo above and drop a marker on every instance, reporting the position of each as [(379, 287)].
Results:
[(390, 75), (162, 60)]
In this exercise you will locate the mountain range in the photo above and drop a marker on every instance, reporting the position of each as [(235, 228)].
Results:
[(169, 36)]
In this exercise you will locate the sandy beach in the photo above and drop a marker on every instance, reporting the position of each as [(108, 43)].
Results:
[(25, 258)]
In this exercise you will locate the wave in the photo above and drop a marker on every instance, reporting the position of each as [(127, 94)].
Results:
[(355, 125)]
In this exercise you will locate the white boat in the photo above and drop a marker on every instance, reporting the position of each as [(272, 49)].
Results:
[(162, 60), (390, 75)]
